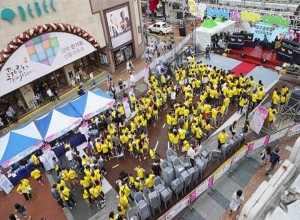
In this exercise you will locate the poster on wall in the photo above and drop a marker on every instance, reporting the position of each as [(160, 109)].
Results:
[(40, 56), (260, 30), (119, 26)]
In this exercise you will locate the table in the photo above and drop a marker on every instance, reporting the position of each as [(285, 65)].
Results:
[(22, 173), (76, 140)]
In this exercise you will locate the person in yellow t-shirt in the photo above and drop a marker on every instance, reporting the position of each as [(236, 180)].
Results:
[(24, 188), (149, 181), (65, 194), (140, 172), (123, 201), (222, 138), (271, 117), (37, 162), (186, 146), (73, 178), (86, 196), (214, 114), (36, 174)]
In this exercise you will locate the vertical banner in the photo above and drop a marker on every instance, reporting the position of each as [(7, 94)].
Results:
[(46, 159), (5, 184), (210, 181), (258, 120), (193, 196), (126, 106)]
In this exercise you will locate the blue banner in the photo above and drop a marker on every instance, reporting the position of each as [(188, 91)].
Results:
[(260, 30)]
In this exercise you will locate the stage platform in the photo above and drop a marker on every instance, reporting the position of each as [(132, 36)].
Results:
[(254, 56)]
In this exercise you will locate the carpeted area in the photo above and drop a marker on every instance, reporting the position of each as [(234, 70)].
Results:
[(243, 68)]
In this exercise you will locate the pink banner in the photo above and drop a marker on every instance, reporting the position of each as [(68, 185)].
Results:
[(210, 181), (193, 196)]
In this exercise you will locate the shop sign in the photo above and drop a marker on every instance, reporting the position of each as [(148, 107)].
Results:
[(275, 19), (33, 10), (40, 56), (197, 9), (250, 16), (217, 12)]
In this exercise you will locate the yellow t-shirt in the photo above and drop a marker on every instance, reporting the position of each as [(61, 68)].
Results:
[(140, 172), (222, 137), (35, 174)]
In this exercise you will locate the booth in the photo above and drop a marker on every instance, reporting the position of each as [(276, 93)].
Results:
[(204, 33), (92, 103), (19, 143), (58, 122)]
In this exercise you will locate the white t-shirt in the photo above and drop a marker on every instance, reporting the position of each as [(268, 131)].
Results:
[(191, 153), (69, 155)]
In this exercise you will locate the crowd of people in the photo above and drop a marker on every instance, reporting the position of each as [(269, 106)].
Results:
[(197, 98)]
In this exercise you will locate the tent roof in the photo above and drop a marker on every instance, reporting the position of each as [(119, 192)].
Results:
[(209, 23), (57, 120), (16, 141), (91, 102)]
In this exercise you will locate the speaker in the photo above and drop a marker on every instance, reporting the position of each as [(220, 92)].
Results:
[(237, 39), (286, 50), (248, 36), (179, 15), (296, 57), (182, 31)]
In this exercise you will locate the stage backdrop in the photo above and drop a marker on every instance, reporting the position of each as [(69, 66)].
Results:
[(119, 25), (40, 56), (260, 30)]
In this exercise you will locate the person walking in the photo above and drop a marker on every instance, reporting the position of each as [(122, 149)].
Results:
[(22, 211), (207, 52), (236, 200), (56, 195), (222, 139), (36, 174), (191, 154), (274, 159), (24, 188), (70, 156), (265, 155), (65, 194), (93, 79), (233, 128)]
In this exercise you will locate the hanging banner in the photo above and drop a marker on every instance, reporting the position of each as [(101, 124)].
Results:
[(250, 16), (217, 12), (5, 184), (275, 19), (175, 210), (278, 135), (260, 30), (258, 120), (197, 9)]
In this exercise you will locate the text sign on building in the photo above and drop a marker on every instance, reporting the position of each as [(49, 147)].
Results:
[(40, 56)]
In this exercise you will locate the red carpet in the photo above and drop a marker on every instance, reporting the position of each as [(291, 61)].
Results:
[(243, 68)]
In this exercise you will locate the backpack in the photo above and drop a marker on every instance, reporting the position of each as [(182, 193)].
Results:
[(274, 158)]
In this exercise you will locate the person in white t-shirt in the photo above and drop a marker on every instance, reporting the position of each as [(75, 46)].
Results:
[(191, 154), (69, 155)]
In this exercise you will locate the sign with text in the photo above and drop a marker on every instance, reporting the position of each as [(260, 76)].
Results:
[(258, 120), (40, 56), (5, 184), (197, 9), (217, 12), (260, 30)]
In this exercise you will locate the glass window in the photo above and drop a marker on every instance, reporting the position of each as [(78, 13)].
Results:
[(128, 52), (103, 59), (123, 54), (119, 56)]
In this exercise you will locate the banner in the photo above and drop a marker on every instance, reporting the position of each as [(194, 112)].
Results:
[(238, 155), (295, 129), (217, 12), (222, 169), (46, 159), (278, 135), (197, 9), (5, 184), (258, 143), (175, 210), (40, 56), (126, 106), (260, 30), (258, 119)]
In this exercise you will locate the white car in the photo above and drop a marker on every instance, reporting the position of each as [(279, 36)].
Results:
[(160, 27)]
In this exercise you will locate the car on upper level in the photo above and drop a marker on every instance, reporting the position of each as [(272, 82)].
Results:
[(160, 28)]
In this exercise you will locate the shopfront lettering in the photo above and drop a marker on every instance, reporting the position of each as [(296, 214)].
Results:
[(275, 19), (217, 12), (73, 50), (250, 16), (33, 10), (17, 73)]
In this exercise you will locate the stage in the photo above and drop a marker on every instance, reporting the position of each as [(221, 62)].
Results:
[(254, 56)]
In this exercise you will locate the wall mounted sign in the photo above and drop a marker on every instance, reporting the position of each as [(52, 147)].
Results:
[(197, 9), (217, 12), (33, 10), (40, 56), (260, 30)]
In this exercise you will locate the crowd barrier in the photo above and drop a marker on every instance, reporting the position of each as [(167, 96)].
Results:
[(227, 165)]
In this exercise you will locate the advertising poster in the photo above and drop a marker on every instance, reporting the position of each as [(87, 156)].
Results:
[(201, 188), (5, 184), (46, 159), (119, 26), (260, 30), (40, 56), (258, 119)]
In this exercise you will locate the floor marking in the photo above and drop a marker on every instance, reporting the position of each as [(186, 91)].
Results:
[(156, 145), (115, 166), (164, 125)]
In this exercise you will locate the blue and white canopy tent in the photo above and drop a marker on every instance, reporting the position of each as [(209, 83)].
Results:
[(92, 103), (58, 122), (19, 143)]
